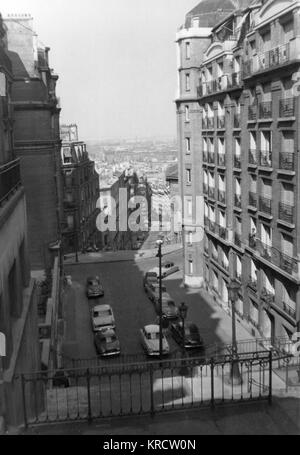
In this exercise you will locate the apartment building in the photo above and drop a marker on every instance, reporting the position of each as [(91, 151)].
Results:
[(36, 136), (81, 194), (245, 163), (18, 296)]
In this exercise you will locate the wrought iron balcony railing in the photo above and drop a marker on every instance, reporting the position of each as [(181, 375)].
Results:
[(235, 80), (212, 226), (252, 112), (265, 110), (252, 241), (221, 159), (237, 239), (289, 310), (222, 232), (287, 161), (252, 199), (267, 60), (265, 158), (286, 212), (288, 264), (10, 179), (287, 107), (265, 205), (222, 196)]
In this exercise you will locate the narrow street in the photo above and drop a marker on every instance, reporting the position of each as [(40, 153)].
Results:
[(132, 309)]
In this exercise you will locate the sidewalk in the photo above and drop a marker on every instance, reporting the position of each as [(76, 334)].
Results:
[(119, 256)]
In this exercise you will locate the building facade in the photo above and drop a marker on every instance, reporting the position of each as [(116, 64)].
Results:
[(18, 297), (36, 136), (81, 194), (247, 165)]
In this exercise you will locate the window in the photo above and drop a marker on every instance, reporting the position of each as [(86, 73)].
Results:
[(188, 176), (190, 238), (187, 113), (189, 208), (187, 82), (187, 51), (188, 145), (195, 22), (191, 267)]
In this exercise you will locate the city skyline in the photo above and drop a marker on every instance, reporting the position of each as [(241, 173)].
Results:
[(131, 89)]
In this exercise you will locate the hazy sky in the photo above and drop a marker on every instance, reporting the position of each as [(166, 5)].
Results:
[(116, 61)]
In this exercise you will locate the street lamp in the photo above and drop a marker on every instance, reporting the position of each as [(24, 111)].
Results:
[(183, 309), (159, 243), (233, 294)]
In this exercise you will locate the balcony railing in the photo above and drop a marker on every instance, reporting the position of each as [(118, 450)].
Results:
[(276, 257), (222, 196), (287, 107), (238, 200), (237, 239), (265, 205), (286, 212), (252, 199), (289, 310), (287, 263), (237, 161), (212, 226), (267, 295), (265, 110), (266, 251), (211, 192), (221, 121), (252, 241), (252, 157), (265, 158), (222, 232), (10, 179), (287, 161), (234, 80), (252, 112), (270, 59), (221, 159)]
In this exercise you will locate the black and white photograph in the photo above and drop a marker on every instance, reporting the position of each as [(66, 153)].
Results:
[(149, 220)]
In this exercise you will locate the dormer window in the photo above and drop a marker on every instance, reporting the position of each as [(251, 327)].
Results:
[(195, 22), (67, 155)]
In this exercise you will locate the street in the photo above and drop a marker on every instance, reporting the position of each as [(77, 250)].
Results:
[(124, 291)]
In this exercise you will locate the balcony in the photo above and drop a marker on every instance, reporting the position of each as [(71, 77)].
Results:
[(265, 158), (265, 205), (211, 157), (205, 157), (267, 295), (288, 264), (212, 226), (205, 188), (221, 159), (287, 108), (289, 310), (222, 232), (235, 80), (277, 56), (253, 199), (222, 196), (252, 157), (211, 192), (237, 161), (286, 212), (265, 110), (252, 283), (221, 121), (252, 112), (266, 251), (238, 201), (236, 120), (252, 241), (10, 179), (210, 123), (237, 239), (287, 161)]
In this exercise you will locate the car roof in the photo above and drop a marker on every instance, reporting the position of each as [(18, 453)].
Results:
[(152, 328), (106, 331), (102, 308)]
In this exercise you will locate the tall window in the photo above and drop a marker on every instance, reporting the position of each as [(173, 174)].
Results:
[(187, 82), (191, 267), (188, 145), (188, 175), (187, 50), (187, 113)]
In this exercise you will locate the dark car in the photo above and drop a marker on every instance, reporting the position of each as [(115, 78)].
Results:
[(93, 287), (107, 343), (150, 277), (192, 338)]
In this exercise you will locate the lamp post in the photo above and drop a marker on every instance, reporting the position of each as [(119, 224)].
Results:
[(159, 243), (233, 290), (183, 309)]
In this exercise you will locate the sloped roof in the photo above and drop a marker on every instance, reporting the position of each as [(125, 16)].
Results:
[(172, 172), (211, 12)]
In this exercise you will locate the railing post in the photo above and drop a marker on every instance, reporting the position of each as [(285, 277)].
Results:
[(270, 377), (212, 383), (24, 402), (88, 380), (152, 408)]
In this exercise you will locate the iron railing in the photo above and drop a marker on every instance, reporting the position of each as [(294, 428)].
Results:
[(265, 158), (252, 112), (287, 107), (221, 159), (265, 205), (237, 161), (286, 212), (287, 263), (289, 310), (10, 179), (238, 200), (265, 110), (222, 196), (222, 232), (212, 226), (252, 156), (237, 239), (253, 199), (252, 241), (267, 60), (287, 161)]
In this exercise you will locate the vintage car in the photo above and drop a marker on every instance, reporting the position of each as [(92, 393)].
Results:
[(106, 342), (102, 316), (192, 338), (94, 288), (150, 341), (167, 269)]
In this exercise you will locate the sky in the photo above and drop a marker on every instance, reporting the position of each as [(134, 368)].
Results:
[(116, 61)]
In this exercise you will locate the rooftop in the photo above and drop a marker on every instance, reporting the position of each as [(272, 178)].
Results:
[(209, 12)]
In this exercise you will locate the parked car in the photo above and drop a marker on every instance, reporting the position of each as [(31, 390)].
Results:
[(93, 287), (102, 316), (150, 278), (192, 338), (152, 290), (169, 309), (106, 342), (167, 269), (150, 340)]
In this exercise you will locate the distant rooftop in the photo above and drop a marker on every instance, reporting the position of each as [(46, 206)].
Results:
[(172, 172), (209, 12)]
